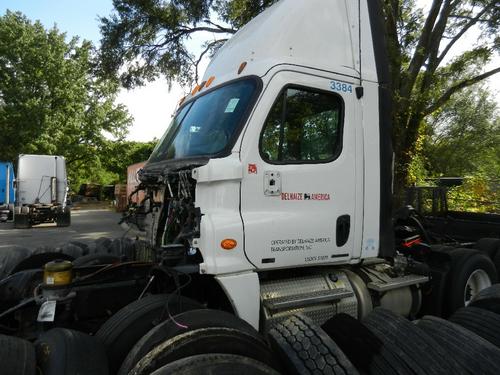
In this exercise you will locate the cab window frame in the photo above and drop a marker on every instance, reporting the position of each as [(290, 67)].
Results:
[(340, 133)]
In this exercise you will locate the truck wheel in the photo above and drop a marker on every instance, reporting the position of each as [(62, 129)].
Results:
[(184, 322), (408, 344), (483, 323), (488, 246), (17, 356), (22, 221), (63, 351), (37, 261), (204, 341), (471, 272), (305, 348), (63, 219), (220, 364), (120, 332), (357, 342), (10, 257), (95, 259), (488, 299), (474, 354)]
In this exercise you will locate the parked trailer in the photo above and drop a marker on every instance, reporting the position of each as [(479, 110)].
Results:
[(266, 215), (42, 189), (7, 192)]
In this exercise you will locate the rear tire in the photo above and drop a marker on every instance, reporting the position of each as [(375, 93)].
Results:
[(471, 271), (63, 351), (22, 221), (488, 246), (220, 364), (184, 322), (305, 348), (205, 341), (63, 219), (17, 356), (121, 332), (488, 299), (474, 354), (483, 323)]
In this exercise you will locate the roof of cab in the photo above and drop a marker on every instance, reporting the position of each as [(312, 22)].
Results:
[(319, 34)]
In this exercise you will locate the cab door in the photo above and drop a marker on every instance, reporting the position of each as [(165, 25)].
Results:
[(300, 193)]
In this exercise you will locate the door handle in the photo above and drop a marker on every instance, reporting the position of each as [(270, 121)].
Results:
[(343, 230)]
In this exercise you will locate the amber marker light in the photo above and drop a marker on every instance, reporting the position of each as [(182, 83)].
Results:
[(210, 81), (228, 244), (182, 101), (242, 67), (195, 90)]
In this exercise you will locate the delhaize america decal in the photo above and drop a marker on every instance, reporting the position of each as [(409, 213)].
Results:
[(305, 197)]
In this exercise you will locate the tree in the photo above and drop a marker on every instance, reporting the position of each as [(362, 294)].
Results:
[(150, 37), (464, 136), (51, 100)]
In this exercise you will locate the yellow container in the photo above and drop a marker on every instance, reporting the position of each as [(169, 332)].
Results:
[(58, 273)]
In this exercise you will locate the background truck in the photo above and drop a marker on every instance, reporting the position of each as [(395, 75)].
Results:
[(41, 191), (7, 193), (269, 196)]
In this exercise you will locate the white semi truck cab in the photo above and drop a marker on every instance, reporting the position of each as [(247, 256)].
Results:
[(41, 194), (274, 178)]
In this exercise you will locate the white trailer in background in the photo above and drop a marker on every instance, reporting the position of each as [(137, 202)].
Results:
[(42, 189)]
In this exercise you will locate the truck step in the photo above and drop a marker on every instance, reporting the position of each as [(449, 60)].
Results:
[(302, 300), (398, 282)]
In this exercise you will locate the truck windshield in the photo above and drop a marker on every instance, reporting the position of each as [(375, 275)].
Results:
[(208, 125)]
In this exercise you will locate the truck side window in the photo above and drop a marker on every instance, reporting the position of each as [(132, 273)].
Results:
[(304, 125)]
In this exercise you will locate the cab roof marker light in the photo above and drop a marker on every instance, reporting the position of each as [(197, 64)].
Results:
[(242, 67), (196, 89), (209, 81)]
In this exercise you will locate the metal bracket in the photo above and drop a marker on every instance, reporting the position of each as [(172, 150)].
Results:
[(272, 183)]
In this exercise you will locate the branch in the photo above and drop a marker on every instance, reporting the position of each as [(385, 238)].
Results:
[(205, 51), (447, 95), (422, 48), (471, 23), (222, 28)]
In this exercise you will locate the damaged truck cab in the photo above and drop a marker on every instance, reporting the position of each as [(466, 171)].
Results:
[(280, 162)]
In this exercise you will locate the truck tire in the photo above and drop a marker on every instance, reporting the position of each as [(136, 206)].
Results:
[(488, 299), (205, 341), (120, 332), (63, 351), (488, 246), (95, 259), (474, 354), (357, 342), (37, 261), (184, 322), (63, 219), (220, 364), (22, 221), (483, 323), (10, 257), (471, 271), (17, 356), (304, 348), (410, 345)]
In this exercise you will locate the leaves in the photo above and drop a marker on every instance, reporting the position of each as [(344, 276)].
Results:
[(51, 100)]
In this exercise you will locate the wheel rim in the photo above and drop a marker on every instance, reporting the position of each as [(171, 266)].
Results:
[(477, 281)]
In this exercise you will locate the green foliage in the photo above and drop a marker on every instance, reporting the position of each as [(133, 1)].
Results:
[(477, 194), (464, 136), (52, 102)]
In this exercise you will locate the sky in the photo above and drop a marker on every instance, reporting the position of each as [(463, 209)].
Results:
[(152, 105)]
